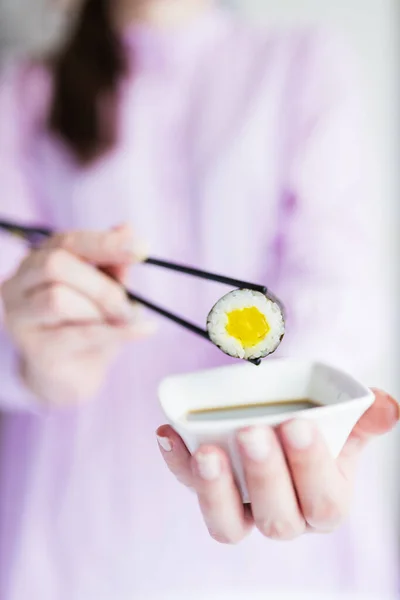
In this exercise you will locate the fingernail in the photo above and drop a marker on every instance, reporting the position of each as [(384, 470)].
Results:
[(141, 251), (135, 250), (165, 443), (208, 465), (256, 443), (299, 434)]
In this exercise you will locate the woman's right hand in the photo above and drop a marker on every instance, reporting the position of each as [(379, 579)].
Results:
[(66, 317)]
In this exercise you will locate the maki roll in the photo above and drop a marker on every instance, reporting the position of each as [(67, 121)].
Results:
[(246, 324)]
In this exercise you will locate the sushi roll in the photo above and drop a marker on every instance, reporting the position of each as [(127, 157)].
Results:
[(246, 324)]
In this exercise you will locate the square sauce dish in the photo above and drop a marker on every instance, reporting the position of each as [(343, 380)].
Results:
[(210, 407)]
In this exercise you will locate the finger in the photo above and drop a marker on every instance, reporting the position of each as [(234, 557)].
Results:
[(104, 336), (379, 419), (140, 330), (116, 246), (91, 338), (322, 491), (219, 498), (118, 272), (273, 500), (60, 306), (60, 267), (55, 305), (177, 457), (85, 340), (141, 250)]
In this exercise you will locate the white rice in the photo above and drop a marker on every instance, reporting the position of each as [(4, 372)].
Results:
[(239, 299)]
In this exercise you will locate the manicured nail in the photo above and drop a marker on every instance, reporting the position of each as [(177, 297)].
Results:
[(208, 465), (165, 443), (256, 443), (299, 434)]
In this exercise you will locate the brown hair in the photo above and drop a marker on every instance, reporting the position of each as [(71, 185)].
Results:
[(84, 112)]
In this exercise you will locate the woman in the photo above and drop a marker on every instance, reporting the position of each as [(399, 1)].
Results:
[(231, 149)]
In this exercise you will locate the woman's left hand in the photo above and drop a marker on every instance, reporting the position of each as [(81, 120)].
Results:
[(295, 486)]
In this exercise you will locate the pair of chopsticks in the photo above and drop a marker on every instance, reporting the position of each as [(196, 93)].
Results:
[(35, 235)]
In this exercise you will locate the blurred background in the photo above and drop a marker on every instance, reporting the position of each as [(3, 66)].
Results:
[(372, 29)]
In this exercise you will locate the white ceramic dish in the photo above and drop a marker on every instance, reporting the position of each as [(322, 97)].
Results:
[(342, 402)]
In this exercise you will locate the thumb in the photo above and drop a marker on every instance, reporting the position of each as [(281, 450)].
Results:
[(379, 419)]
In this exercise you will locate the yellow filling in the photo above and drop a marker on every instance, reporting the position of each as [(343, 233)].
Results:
[(248, 325)]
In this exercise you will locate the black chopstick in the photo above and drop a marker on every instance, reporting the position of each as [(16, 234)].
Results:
[(32, 235), (35, 235), (178, 320), (236, 283), (171, 316)]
